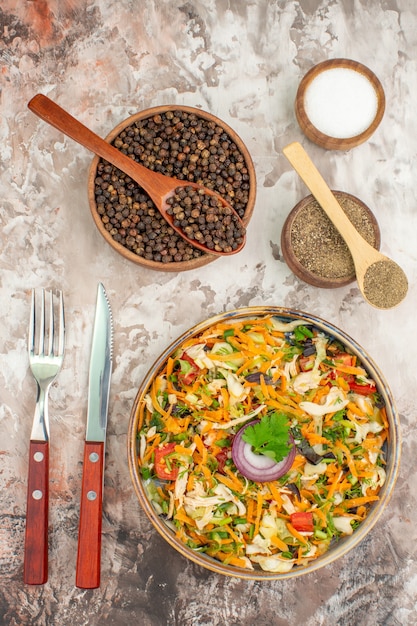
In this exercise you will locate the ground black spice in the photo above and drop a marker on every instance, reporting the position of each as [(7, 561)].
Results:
[(319, 247), (385, 284), (176, 143)]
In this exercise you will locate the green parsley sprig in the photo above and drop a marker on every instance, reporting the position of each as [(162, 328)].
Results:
[(270, 436)]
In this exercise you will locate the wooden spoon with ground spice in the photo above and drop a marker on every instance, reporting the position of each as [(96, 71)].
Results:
[(198, 214), (381, 281)]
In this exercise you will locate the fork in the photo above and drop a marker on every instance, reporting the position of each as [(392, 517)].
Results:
[(46, 353)]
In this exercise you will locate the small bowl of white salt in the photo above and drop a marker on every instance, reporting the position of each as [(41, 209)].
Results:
[(339, 104)]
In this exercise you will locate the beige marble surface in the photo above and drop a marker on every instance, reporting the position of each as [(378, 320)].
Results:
[(242, 60)]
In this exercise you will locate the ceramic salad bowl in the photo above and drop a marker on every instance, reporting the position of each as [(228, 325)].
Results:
[(264, 443)]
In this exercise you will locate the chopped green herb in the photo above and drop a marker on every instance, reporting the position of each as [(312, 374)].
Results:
[(269, 436), (223, 443), (302, 332), (146, 472)]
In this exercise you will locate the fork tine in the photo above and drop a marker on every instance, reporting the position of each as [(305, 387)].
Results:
[(32, 322), (51, 325), (61, 335), (41, 349)]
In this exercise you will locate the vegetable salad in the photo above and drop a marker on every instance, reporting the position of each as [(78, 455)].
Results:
[(248, 370)]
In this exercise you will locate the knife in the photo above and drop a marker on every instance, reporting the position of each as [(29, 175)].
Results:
[(89, 533)]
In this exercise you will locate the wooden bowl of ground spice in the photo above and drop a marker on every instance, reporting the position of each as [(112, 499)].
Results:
[(179, 141), (315, 251)]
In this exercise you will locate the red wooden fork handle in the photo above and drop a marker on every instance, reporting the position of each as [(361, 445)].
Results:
[(35, 571)]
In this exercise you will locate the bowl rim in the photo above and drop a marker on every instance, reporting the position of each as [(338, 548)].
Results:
[(346, 544), (311, 131), (298, 268), (194, 263)]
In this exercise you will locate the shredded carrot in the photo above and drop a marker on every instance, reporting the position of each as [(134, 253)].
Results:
[(320, 393), (181, 450), (314, 439), (155, 402), (227, 481), (181, 516), (275, 493), (191, 482), (383, 413), (199, 444), (208, 400), (162, 494), (334, 485), (299, 462), (206, 472), (214, 415), (230, 559), (350, 369), (264, 388), (342, 383), (234, 356), (238, 562), (321, 515), (355, 409), (259, 504), (349, 459), (141, 412), (371, 443), (354, 502), (225, 397), (250, 510), (235, 480), (232, 533), (299, 554), (281, 545), (296, 534), (245, 366), (151, 448), (169, 366), (173, 425), (361, 511)]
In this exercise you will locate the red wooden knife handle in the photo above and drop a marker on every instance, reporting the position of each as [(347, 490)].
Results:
[(35, 570), (89, 534)]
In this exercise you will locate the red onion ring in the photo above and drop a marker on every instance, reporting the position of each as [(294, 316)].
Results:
[(258, 467)]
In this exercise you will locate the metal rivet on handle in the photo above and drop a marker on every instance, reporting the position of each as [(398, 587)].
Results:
[(94, 457), (37, 494), (91, 495), (38, 456)]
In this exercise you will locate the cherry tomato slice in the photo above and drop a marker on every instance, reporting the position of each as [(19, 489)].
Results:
[(343, 358), (189, 377), (306, 363), (364, 390), (162, 470), (221, 459), (302, 521)]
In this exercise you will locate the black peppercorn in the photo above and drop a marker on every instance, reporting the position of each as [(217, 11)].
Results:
[(181, 144)]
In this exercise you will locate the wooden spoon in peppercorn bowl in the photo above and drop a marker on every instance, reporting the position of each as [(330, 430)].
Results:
[(199, 215), (382, 282)]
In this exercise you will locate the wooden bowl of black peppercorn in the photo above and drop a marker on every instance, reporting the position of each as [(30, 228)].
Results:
[(186, 143)]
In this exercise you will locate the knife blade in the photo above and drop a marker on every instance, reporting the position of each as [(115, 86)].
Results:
[(88, 567)]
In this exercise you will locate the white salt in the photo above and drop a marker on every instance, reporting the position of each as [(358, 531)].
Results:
[(341, 102)]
